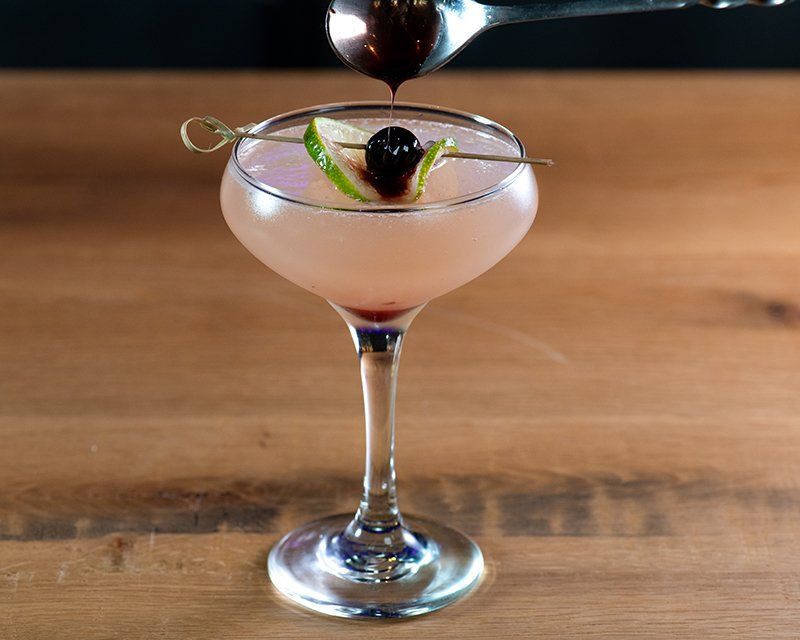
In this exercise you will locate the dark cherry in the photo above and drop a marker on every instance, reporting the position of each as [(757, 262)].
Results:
[(393, 152)]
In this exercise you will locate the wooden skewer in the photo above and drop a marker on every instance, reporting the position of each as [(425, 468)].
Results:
[(229, 135)]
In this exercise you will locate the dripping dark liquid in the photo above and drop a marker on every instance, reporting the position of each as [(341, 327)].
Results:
[(400, 36), (388, 186)]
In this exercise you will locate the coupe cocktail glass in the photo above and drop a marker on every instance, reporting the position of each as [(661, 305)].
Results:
[(378, 264)]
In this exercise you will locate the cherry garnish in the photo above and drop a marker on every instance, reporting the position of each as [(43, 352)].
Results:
[(393, 152)]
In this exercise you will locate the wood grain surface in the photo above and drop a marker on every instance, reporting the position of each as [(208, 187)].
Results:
[(613, 412)]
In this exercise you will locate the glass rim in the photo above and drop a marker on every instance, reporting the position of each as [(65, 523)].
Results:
[(368, 207)]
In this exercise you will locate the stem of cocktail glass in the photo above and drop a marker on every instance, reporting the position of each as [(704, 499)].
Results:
[(376, 546)]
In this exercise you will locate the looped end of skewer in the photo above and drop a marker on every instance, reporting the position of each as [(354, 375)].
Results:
[(215, 126)]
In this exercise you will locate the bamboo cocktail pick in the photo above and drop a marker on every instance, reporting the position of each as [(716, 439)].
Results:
[(228, 135)]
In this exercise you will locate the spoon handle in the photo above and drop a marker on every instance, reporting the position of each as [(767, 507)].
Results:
[(547, 9)]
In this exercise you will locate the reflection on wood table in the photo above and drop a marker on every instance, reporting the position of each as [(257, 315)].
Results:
[(612, 412)]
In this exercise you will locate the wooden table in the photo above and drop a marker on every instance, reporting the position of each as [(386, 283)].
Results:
[(613, 412)]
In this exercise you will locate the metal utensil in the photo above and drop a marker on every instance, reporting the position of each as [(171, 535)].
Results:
[(397, 40)]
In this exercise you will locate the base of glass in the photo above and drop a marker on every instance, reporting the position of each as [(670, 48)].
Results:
[(302, 567)]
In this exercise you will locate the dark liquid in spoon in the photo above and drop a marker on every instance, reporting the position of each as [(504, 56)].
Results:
[(400, 36)]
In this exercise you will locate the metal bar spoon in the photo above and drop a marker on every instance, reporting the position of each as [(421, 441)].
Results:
[(397, 40)]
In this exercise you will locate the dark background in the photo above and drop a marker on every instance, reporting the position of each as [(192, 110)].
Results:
[(290, 33)]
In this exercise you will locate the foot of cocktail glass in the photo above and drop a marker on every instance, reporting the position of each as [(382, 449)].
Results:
[(376, 564)]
